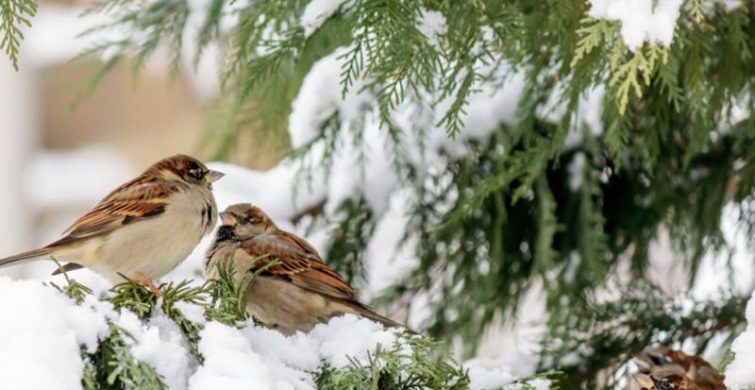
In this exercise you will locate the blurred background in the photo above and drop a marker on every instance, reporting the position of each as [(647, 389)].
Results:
[(62, 153)]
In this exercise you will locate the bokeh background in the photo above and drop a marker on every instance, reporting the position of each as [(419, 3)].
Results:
[(63, 150)]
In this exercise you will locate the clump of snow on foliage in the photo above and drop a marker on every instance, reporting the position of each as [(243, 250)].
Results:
[(492, 374), (258, 357), (317, 12), (43, 332), (158, 342), (641, 20), (229, 362), (739, 373)]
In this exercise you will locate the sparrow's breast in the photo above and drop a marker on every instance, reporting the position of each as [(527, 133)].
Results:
[(157, 245)]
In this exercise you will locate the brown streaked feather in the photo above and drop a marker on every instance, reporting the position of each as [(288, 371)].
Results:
[(299, 263), (141, 198)]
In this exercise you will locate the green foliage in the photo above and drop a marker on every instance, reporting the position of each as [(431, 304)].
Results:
[(351, 235), (421, 366), (14, 15), (114, 367), (598, 339), (228, 304)]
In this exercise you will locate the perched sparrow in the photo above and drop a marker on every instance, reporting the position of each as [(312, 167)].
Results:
[(144, 228), (295, 290), (667, 369)]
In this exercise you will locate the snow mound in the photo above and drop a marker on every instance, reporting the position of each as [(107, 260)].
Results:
[(52, 334), (43, 331), (316, 13), (739, 374)]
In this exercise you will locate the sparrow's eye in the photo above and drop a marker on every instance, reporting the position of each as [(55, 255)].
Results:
[(197, 174)]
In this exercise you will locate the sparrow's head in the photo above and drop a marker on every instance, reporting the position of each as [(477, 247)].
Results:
[(187, 169), (246, 220)]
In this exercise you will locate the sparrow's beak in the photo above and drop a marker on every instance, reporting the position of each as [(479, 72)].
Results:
[(213, 176), (228, 219)]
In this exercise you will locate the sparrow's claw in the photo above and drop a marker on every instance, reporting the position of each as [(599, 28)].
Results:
[(147, 282)]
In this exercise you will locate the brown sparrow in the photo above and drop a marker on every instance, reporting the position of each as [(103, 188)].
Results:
[(666, 369), (144, 228), (295, 290)]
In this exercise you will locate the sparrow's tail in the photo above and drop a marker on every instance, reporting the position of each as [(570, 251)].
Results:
[(28, 255), (365, 312)]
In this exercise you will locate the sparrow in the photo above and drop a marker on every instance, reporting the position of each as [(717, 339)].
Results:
[(294, 290), (666, 369), (144, 228)]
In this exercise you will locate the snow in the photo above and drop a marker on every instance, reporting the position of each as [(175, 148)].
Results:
[(317, 12), (640, 21), (229, 363), (281, 362), (739, 373), (43, 332), (50, 330), (258, 357), (432, 24), (160, 343), (491, 374), (577, 171), (351, 336), (729, 5), (387, 259)]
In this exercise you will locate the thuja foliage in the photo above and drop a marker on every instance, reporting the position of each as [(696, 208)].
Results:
[(395, 368), (416, 362), (593, 344), (525, 207), (14, 16)]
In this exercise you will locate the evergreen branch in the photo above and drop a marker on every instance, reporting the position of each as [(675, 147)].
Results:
[(14, 15), (603, 335), (114, 367), (184, 292), (425, 367)]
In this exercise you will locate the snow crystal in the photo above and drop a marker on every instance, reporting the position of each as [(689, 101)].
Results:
[(640, 20), (739, 373), (43, 332), (317, 12)]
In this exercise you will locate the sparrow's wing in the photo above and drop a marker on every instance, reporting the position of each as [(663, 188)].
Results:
[(134, 201), (299, 264)]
